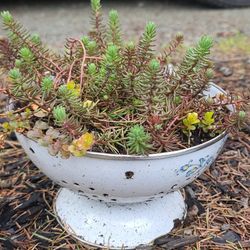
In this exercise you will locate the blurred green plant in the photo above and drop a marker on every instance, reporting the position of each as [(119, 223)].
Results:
[(236, 43)]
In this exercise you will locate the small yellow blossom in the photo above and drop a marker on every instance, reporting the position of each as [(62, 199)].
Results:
[(75, 88), (6, 126), (191, 121), (208, 118), (79, 146), (88, 104), (207, 121)]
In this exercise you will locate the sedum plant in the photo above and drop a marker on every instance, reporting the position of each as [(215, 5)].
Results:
[(109, 95)]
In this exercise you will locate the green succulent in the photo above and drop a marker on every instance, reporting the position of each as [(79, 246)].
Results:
[(91, 47), (154, 65), (26, 54), (150, 31), (96, 5), (108, 85), (18, 63), (35, 38), (138, 140), (15, 74), (7, 17), (47, 84), (59, 114), (92, 68)]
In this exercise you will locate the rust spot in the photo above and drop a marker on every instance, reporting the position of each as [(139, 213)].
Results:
[(129, 174)]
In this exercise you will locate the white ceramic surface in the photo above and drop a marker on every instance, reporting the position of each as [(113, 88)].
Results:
[(118, 226), (123, 180), (135, 192)]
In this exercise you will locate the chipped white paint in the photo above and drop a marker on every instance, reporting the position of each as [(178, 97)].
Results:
[(116, 226), (132, 195)]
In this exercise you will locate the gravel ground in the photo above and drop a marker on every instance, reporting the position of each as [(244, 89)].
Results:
[(57, 20)]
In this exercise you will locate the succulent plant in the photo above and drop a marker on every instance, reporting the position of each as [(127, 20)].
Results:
[(110, 95)]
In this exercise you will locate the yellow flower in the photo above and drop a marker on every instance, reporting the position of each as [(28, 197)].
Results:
[(70, 85), (79, 146), (88, 104), (6, 126), (191, 121), (75, 88), (208, 119)]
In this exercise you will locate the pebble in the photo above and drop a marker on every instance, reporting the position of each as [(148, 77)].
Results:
[(246, 183), (203, 177), (190, 191), (193, 211), (227, 236), (215, 173), (188, 231), (225, 227), (244, 202), (226, 71), (233, 163)]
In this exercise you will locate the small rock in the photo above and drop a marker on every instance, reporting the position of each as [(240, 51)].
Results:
[(226, 71), (227, 236), (233, 163), (225, 227), (3, 97), (190, 191), (244, 202), (193, 211), (188, 231), (5, 184), (215, 173), (203, 177), (246, 183), (223, 188)]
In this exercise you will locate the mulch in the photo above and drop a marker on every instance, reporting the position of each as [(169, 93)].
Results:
[(218, 201)]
